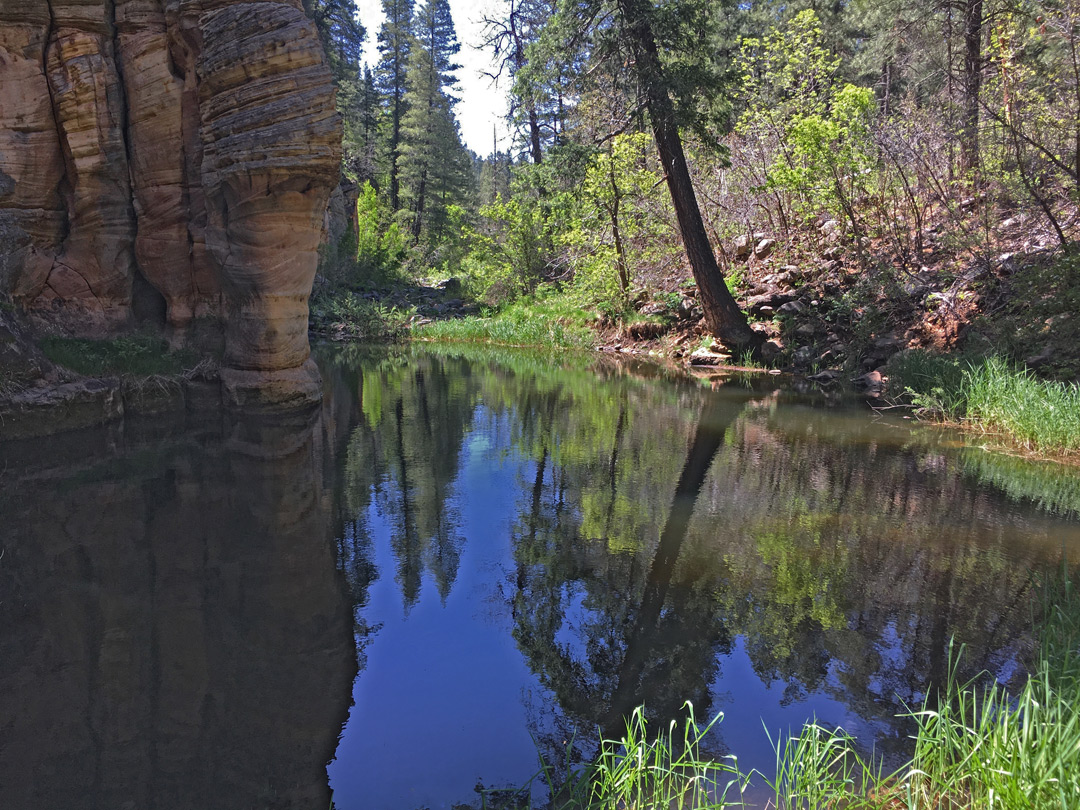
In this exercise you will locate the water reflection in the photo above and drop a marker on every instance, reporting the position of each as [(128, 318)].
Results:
[(743, 548), (175, 632), (484, 553)]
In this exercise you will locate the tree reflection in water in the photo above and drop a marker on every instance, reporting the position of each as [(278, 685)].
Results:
[(660, 524)]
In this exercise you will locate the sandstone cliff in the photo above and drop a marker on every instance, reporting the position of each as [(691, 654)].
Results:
[(172, 158)]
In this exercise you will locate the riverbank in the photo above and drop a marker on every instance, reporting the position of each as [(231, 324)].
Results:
[(841, 319), (59, 384)]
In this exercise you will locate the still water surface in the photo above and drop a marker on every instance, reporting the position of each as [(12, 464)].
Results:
[(467, 556)]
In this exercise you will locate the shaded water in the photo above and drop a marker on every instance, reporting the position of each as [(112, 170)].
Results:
[(465, 556)]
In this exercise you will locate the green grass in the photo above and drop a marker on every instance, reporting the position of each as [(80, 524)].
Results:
[(993, 395), (976, 748), (549, 321), (136, 355), (985, 748)]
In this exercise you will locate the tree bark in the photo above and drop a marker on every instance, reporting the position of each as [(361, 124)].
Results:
[(722, 314), (969, 140)]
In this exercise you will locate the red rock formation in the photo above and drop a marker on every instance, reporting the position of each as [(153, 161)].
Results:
[(193, 143)]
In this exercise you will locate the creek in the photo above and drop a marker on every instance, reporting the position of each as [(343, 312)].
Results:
[(466, 557)]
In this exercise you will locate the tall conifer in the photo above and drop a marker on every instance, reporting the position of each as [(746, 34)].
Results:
[(395, 42)]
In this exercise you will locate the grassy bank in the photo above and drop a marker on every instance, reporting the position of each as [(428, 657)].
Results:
[(545, 322), (975, 748), (994, 396)]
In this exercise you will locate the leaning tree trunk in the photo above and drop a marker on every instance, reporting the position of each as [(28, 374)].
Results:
[(722, 313)]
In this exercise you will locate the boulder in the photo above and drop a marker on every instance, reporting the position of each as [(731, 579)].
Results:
[(708, 357), (871, 383)]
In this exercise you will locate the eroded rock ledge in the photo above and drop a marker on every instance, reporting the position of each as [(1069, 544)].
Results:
[(171, 158)]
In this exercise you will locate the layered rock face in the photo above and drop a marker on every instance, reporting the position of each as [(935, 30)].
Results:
[(190, 144)]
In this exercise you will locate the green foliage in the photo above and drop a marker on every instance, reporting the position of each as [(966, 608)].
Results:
[(343, 314), (137, 355), (380, 248), (509, 257), (621, 221), (823, 157), (552, 323)]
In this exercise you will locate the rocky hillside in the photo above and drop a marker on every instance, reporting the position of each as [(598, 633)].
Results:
[(171, 161)]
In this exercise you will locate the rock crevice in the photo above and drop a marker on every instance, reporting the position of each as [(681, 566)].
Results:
[(190, 143)]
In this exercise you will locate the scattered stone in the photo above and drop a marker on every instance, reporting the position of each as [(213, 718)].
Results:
[(803, 355), (825, 378), (806, 330), (833, 356), (829, 227), (1040, 359), (742, 247), (793, 308), (833, 254), (686, 308), (771, 299), (764, 248), (655, 308), (770, 350)]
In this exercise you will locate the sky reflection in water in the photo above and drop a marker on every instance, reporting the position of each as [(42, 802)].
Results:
[(823, 562)]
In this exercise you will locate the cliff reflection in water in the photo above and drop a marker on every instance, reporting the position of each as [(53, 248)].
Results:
[(175, 632), (747, 548)]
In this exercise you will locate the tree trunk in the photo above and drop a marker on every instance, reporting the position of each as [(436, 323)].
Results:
[(969, 141), (722, 314)]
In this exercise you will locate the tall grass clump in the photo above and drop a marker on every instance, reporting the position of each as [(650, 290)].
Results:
[(1038, 414), (666, 771), (506, 331), (983, 748), (993, 395), (822, 767)]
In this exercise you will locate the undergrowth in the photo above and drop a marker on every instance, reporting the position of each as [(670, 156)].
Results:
[(346, 315), (545, 321)]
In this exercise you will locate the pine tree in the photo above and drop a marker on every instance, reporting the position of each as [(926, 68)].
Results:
[(435, 168), (341, 34), (395, 43)]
